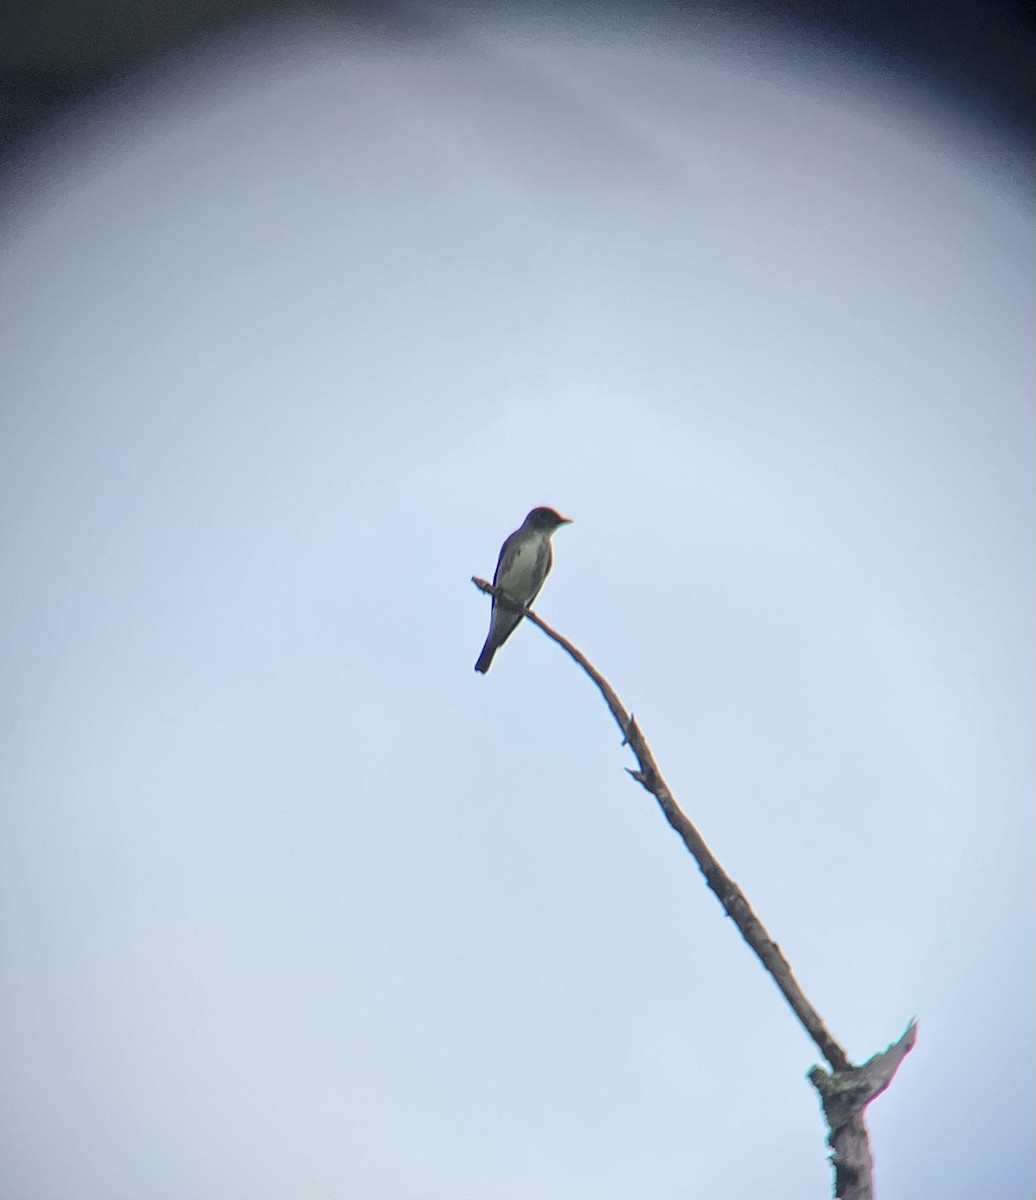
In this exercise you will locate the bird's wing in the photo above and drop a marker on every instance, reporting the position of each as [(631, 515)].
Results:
[(508, 553)]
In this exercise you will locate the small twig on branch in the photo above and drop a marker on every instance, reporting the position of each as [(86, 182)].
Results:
[(847, 1089)]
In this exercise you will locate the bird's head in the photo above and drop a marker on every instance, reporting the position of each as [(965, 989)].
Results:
[(546, 520)]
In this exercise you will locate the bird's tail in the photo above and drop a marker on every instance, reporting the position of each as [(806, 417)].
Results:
[(486, 657)]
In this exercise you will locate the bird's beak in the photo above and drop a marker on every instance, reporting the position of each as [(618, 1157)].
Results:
[(566, 520)]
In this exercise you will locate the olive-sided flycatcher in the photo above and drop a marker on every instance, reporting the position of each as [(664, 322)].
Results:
[(524, 563)]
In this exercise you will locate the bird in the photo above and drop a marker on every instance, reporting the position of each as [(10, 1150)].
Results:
[(523, 566)]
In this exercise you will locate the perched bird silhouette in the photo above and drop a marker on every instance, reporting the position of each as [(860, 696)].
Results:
[(525, 561)]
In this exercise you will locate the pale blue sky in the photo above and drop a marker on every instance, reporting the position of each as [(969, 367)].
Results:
[(292, 902)]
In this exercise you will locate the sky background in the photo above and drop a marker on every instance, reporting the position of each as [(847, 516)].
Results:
[(296, 327)]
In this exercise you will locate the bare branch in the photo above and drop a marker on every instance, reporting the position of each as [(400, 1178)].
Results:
[(846, 1090), (726, 890)]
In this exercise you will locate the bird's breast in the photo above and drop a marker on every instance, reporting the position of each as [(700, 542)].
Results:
[(526, 569)]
